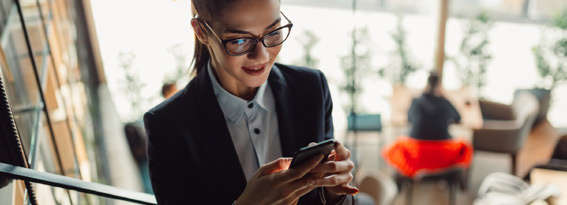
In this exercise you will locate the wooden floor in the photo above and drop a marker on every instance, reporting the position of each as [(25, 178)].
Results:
[(537, 149)]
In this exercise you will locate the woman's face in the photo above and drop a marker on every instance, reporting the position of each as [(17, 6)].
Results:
[(245, 18)]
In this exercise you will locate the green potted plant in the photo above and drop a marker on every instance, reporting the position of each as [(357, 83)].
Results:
[(402, 65), (473, 58), (308, 40), (355, 66), (551, 61), (132, 86), (180, 75)]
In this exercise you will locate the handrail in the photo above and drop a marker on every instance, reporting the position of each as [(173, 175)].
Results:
[(56, 180)]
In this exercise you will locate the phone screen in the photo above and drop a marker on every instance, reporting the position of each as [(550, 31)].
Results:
[(308, 152)]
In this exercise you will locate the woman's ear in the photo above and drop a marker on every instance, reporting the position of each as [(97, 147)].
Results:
[(199, 31)]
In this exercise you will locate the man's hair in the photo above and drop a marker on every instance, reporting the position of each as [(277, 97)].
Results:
[(166, 87), (432, 82)]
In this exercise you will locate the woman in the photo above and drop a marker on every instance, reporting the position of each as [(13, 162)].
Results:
[(430, 148), (228, 135)]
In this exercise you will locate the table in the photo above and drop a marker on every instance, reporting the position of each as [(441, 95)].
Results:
[(555, 177)]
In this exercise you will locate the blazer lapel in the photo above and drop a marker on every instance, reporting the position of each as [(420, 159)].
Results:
[(219, 155), (284, 109)]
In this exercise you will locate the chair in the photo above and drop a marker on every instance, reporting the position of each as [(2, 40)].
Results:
[(454, 177), (362, 123), (372, 187), (379, 186), (506, 127)]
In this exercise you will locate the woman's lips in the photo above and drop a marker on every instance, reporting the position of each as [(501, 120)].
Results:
[(254, 70)]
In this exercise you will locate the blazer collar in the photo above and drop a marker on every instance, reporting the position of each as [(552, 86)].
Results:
[(284, 108), (284, 103), (214, 130), (234, 107)]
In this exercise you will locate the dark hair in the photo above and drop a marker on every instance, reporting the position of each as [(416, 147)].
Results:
[(432, 82), (205, 10)]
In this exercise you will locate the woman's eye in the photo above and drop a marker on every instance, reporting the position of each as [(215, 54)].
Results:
[(274, 33), (240, 41)]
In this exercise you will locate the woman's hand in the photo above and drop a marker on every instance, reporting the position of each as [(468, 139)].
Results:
[(336, 173), (274, 183)]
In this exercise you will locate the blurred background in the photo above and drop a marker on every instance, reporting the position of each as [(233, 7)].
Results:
[(97, 66)]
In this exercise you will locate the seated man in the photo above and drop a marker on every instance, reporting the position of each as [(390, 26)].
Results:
[(429, 147), (431, 114)]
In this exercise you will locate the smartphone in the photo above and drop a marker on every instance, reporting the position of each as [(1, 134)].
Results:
[(308, 152)]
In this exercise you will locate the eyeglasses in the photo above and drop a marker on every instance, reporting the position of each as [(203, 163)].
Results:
[(243, 45)]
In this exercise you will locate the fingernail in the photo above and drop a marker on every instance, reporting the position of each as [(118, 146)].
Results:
[(354, 190)]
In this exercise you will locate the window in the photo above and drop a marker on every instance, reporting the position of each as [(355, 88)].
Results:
[(53, 102)]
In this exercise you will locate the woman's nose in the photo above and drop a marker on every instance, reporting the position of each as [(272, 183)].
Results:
[(260, 53)]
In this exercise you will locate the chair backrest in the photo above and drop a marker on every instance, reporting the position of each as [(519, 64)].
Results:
[(496, 111), (560, 150), (372, 187), (364, 122), (525, 106)]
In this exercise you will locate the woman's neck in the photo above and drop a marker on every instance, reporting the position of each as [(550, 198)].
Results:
[(232, 85)]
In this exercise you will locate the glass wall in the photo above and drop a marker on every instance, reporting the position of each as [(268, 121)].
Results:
[(44, 56)]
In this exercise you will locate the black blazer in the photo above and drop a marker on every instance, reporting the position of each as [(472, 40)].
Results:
[(192, 158)]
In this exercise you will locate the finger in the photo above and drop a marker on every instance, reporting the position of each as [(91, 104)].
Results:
[(295, 201), (301, 170), (342, 152), (335, 180), (333, 167), (274, 166), (333, 156), (343, 189)]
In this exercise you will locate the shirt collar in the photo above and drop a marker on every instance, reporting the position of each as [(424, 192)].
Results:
[(234, 107)]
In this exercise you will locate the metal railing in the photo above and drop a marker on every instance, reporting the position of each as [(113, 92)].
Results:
[(69, 183)]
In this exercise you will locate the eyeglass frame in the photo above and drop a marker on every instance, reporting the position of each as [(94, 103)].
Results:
[(255, 37)]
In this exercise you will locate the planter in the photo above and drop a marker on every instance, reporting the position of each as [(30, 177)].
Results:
[(544, 99)]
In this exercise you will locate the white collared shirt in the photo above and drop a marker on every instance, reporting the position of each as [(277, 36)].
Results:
[(253, 125)]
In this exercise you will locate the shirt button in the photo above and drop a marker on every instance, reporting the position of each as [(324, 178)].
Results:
[(250, 105), (256, 130)]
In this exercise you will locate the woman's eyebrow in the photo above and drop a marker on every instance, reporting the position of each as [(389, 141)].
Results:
[(246, 32), (275, 22)]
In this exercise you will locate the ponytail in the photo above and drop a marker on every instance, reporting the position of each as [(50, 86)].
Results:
[(205, 10), (201, 57)]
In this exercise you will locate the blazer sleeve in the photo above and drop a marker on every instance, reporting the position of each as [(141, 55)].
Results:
[(328, 108), (169, 178)]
